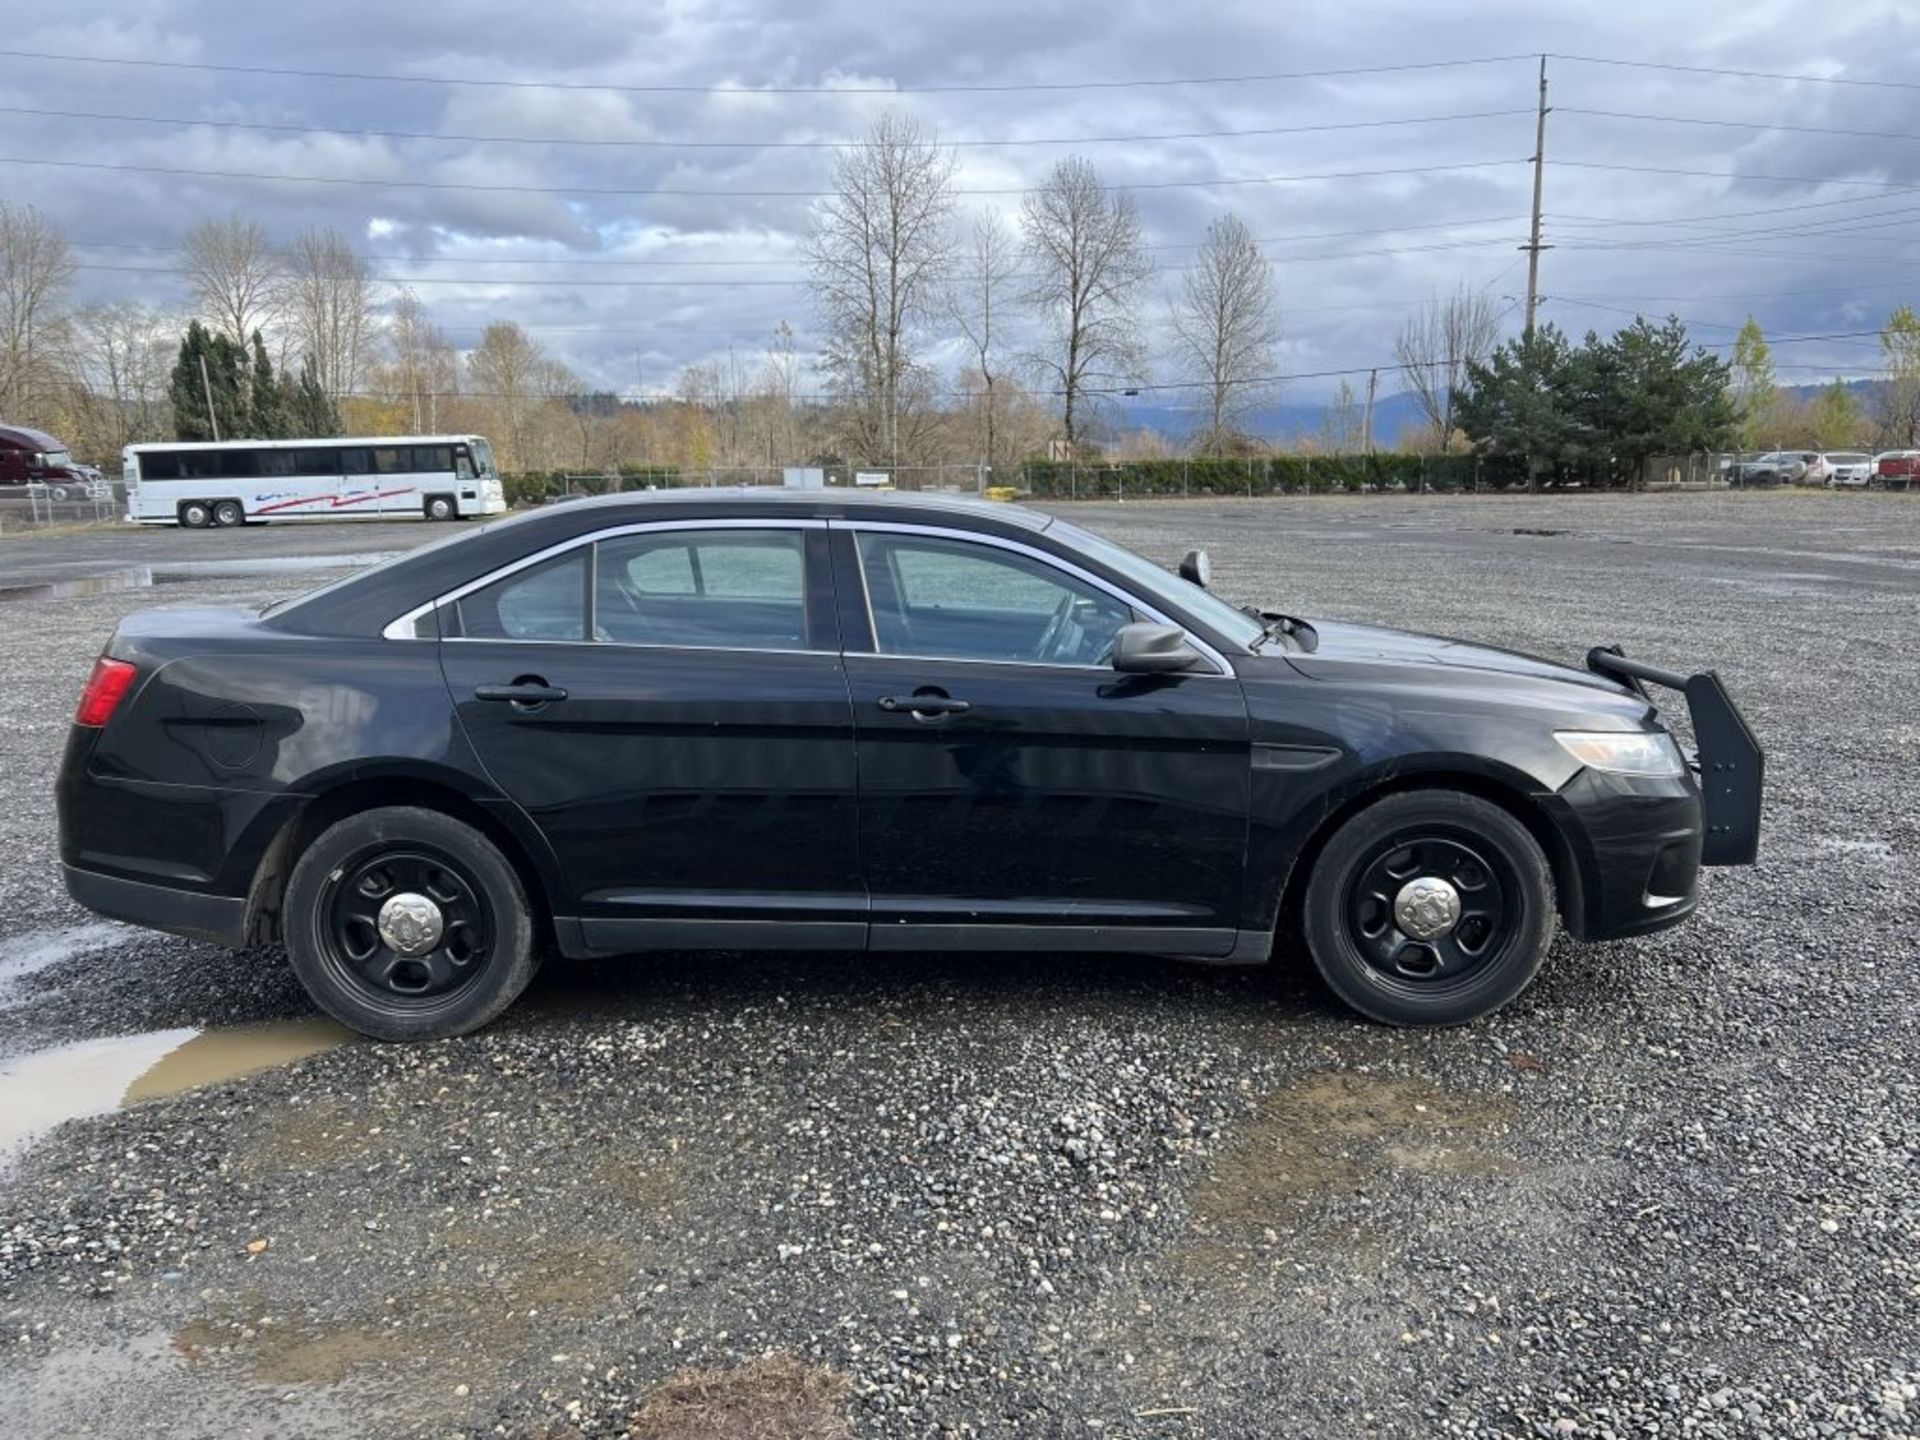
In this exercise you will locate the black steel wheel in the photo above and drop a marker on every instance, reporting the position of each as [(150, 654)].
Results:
[(1431, 907), (408, 921), (406, 924)]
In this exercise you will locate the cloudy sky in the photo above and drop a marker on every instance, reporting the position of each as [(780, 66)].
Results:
[(630, 181)]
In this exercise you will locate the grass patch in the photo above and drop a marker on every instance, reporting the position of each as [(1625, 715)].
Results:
[(776, 1397)]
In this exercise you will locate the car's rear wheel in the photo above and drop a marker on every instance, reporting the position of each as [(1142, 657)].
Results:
[(196, 514), (406, 924), (227, 513), (1430, 907)]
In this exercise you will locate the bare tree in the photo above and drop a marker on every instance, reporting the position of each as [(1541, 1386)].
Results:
[(236, 277), (779, 376), (506, 371), (1226, 322), (124, 353), (1341, 425), (425, 368), (36, 268), (1437, 344), (331, 297), (1090, 260), (878, 250), (977, 301)]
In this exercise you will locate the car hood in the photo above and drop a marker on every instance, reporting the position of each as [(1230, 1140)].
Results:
[(1342, 640)]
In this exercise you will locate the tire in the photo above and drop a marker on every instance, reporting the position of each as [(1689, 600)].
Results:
[(1503, 889), (484, 957), (228, 513), (441, 507), (56, 492), (196, 514)]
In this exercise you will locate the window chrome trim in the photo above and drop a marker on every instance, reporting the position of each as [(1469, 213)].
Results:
[(403, 627), (1043, 557)]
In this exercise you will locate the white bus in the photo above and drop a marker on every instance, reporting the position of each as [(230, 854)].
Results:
[(432, 477)]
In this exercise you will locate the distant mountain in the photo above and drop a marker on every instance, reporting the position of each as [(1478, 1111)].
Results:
[(1284, 421), (1392, 414)]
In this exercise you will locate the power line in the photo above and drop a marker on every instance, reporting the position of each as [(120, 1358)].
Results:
[(1853, 336), (1733, 214), (851, 144), (1739, 74), (1734, 175), (747, 89), (721, 194), (1739, 124)]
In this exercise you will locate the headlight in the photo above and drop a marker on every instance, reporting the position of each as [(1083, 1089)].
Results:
[(1624, 752)]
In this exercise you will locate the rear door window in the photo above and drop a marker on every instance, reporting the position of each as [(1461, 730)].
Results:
[(733, 589), (543, 602)]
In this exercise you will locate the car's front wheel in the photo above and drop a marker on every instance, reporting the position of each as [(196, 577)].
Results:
[(406, 924), (1430, 907)]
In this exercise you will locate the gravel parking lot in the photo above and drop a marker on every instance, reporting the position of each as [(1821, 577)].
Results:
[(1674, 1190)]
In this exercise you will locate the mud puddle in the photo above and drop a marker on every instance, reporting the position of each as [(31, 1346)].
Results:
[(92, 1077)]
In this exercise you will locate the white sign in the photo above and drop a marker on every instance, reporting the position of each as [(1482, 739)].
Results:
[(871, 477), (800, 477)]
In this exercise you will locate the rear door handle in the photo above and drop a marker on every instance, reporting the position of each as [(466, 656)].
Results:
[(926, 704), (521, 692)]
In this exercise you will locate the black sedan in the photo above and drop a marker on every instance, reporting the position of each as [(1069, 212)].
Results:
[(789, 720)]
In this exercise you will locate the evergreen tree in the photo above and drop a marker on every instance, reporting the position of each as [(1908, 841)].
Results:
[(311, 411), (267, 398), (1608, 404), (220, 386), (1519, 402)]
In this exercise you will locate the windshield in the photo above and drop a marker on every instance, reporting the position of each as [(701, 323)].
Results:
[(1231, 624), (56, 460), (482, 455)]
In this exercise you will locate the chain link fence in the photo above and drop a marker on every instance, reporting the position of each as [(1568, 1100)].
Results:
[(41, 507)]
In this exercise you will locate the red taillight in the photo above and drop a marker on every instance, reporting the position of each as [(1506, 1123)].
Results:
[(107, 686)]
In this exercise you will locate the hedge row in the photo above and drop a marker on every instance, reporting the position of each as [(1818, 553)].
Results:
[(1273, 475)]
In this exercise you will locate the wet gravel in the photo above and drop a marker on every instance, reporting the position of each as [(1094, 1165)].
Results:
[(1672, 1191)]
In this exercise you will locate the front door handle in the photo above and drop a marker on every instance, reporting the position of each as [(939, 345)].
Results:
[(527, 692), (925, 704)]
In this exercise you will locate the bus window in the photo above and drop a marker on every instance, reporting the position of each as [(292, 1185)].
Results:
[(356, 462), (462, 462), (273, 464), (160, 465), (316, 460), (389, 461), (437, 458)]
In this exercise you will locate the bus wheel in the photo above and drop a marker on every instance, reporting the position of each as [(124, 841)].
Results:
[(440, 507), (228, 512), (196, 514)]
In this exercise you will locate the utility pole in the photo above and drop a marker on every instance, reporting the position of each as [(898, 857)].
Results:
[(1373, 384), (1533, 247), (206, 388)]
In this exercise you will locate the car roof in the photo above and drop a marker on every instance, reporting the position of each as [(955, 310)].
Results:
[(836, 500)]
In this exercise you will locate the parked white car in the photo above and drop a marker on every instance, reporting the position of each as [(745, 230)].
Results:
[(1836, 468)]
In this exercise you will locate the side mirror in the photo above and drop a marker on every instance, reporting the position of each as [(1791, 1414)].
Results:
[(1145, 649), (1196, 567)]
